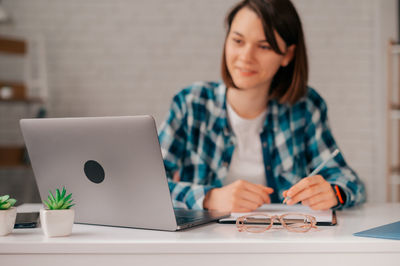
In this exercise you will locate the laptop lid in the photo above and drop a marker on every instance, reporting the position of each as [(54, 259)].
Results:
[(112, 166)]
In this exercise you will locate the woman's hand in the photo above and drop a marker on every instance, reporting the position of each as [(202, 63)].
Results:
[(313, 191), (240, 196)]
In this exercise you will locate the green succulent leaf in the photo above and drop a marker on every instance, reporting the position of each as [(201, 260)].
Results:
[(4, 198), (58, 195), (60, 201), (12, 202), (63, 192), (6, 202), (52, 197), (5, 206), (68, 197), (67, 205)]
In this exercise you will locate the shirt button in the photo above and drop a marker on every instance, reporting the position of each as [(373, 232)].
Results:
[(225, 164), (268, 168), (264, 144)]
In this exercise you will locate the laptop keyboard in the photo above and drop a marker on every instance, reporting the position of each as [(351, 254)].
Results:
[(186, 216)]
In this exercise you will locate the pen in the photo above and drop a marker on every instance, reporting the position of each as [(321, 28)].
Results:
[(316, 170)]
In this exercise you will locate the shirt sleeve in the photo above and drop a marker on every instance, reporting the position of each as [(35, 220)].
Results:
[(173, 138), (319, 145)]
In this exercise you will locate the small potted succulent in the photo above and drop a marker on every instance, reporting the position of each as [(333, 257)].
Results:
[(57, 219), (8, 213)]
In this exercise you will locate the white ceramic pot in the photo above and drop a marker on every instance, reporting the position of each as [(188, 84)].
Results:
[(7, 220), (57, 222)]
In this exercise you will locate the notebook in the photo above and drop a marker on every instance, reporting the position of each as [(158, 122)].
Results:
[(112, 166), (323, 218), (388, 231)]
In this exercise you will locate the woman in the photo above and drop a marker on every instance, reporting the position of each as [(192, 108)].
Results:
[(256, 137)]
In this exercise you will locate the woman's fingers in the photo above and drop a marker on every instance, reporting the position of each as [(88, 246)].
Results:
[(268, 190), (324, 205), (244, 205), (312, 191), (306, 188), (304, 184), (250, 196), (316, 199), (306, 194), (246, 195), (259, 190), (240, 196)]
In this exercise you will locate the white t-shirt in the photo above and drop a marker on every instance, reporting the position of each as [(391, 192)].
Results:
[(247, 159)]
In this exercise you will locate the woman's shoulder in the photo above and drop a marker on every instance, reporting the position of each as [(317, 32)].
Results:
[(312, 101), (201, 92), (205, 89)]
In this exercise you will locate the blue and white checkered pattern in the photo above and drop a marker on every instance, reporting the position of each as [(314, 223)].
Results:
[(198, 143)]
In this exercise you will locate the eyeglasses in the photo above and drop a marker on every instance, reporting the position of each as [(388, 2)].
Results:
[(260, 222)]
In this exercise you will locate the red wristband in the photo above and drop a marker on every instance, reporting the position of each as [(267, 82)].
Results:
[(338, 195)]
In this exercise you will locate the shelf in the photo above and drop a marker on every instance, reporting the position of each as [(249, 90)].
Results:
[(395, 175), (395, 106), (32, 87), (395, 114), (395, 170), (16, 92), (12, 156), (12, 90), (27, 100), (393, 119), (15, 167), (28, 91), (394, 47), (395, 179), (12, 46)]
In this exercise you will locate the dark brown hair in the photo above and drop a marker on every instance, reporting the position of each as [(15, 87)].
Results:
[(289, 83)]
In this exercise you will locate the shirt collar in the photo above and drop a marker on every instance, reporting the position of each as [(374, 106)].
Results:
[(219, 120), (274, 111)]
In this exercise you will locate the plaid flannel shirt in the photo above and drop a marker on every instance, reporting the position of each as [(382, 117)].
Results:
[(198, 143)]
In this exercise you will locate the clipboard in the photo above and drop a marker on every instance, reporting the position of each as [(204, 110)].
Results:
[(324, 218)]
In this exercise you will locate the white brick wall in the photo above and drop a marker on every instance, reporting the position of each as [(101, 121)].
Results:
[(125, 57)]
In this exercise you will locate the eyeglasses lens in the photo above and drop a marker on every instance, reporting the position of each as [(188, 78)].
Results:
[(297, 222), (256, 223)]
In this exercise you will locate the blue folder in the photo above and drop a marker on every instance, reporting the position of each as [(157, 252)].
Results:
[(388, 231)]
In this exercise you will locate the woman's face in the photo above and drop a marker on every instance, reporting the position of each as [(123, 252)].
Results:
[(250, 60)]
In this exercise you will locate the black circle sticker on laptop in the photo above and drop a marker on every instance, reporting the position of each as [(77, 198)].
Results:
[(94, 171)]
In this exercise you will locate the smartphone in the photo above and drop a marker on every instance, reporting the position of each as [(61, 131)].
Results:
[(26, 220)]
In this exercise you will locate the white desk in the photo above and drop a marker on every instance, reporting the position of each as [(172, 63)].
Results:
[(213, 244)]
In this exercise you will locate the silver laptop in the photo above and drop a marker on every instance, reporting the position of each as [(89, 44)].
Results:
[(112, 166)]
